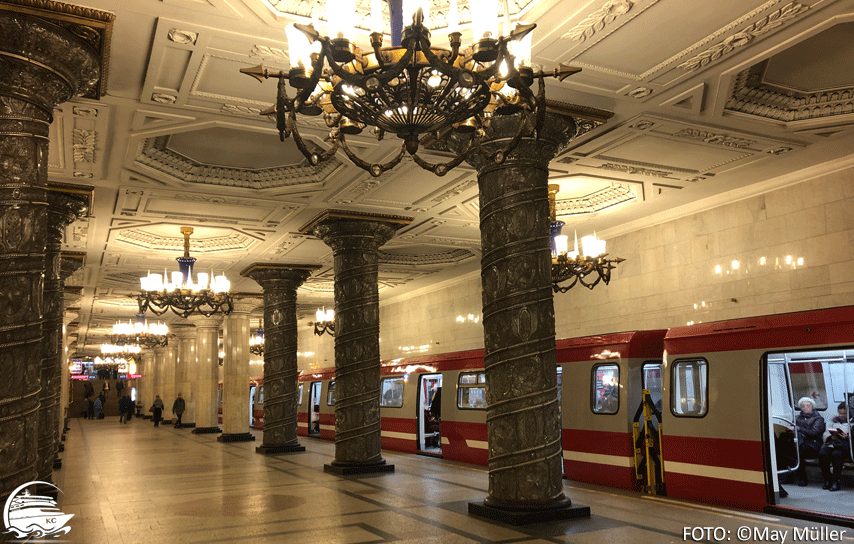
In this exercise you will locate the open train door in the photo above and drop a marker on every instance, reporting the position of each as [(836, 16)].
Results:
[(783, 442), (314, 408), (647, 431), (429, 414)]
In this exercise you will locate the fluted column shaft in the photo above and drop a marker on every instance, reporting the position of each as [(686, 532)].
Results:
[(43, 66), (168, 370), (206, 374), (184, 370), (145, 385), (355, 245), (280, 283), (235, 379), (523, 415), (63, 209)]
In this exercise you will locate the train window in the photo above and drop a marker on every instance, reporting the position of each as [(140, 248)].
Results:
[(299, 402), (652, 381), (330, 394), (392, 393), (690, 391), (471, 391), (605, 393)]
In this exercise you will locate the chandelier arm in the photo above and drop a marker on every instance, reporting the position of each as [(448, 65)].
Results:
[(500, 155), (438, 64), (375, 169), (441, 169), (313, 158), (283, 104), (541, 105)]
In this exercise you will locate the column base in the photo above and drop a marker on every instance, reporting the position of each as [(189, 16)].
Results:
[(528, 516), (271, 450), (145, 417), (352, 469), (61, 447), (206, 430), (62, 438), (186, 426), (166, 422), (235, 437), (57, 463)]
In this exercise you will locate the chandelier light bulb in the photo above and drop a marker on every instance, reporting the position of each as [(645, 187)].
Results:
[(484, 18), (377, 23), (299, 49), (521, 49), (410, 8), (561, 244), (339, 17)]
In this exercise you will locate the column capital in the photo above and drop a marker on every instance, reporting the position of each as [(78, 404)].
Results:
[(245, 303), (202, 322), (184, 331), (270, 276), (531, 151), (362, 230)]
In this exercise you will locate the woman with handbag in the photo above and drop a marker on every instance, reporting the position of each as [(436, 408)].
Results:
[(157, 411)]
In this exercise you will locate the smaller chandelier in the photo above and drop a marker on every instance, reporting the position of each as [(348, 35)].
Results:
[(325, 322), (256, 343), (140, 333), (181, 295), (574, 265)]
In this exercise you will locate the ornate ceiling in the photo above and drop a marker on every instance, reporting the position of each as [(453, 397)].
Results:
[(710, 100)]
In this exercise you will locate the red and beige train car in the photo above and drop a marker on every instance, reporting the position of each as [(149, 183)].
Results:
[(725, 390)]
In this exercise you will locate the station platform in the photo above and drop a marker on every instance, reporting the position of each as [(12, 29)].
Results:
[(137, 484)]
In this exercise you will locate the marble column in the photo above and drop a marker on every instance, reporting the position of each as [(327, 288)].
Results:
[(523, 415), (235, 379), (355, 240), (41, 66), (206, 375), (184, 371), (145, 387), (157, 375), (280, 283), (168, 372), (66, 203)]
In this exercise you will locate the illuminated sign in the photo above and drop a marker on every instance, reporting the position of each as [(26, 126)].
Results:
[(134, 376), (76, 366)]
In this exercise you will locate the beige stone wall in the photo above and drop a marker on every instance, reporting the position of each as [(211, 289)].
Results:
[(794, 249)]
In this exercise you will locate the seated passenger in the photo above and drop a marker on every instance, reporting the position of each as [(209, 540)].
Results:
[(811, 427), (836, 450)]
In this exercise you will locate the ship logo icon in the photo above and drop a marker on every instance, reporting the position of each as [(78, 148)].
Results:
[(36, 516)]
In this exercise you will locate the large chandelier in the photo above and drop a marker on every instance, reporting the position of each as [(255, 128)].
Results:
[(140, 333), (575, 266), (411, 89), (325, 323), (181, 295)]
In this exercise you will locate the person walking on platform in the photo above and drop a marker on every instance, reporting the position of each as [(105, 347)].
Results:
[(90, 406), (124, 409), (99, 406), (178, 409), (157, 411)]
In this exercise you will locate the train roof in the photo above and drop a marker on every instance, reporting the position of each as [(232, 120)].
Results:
[(832, 326), (631, 345)]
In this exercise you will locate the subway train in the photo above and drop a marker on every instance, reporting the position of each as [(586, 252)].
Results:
[(698, 412)]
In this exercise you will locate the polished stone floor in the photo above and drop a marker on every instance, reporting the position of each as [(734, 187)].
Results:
[(136, 484)]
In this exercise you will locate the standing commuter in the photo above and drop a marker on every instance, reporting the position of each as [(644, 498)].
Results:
[(157, 411), (178, 408)]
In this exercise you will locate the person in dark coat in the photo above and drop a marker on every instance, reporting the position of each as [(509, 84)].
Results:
[(125, 409), (836, 450), (90, 406), (811, 427), (157, 411), (178, 409)]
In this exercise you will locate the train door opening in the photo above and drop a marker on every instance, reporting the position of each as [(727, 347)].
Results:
[(647, 428), (430, 414), (253, 389), (807, 475), (314, 408)]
